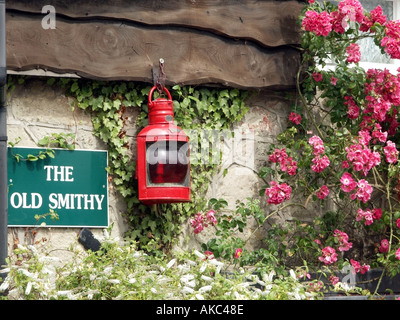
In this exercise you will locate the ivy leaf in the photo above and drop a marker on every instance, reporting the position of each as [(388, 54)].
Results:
[(74, 86), (44, 141), (153, 225), (32, 157)]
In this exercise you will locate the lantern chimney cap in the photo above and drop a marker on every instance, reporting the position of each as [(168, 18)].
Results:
[(161, 109)]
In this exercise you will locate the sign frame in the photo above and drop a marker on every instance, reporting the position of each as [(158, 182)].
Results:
[(57, 183)]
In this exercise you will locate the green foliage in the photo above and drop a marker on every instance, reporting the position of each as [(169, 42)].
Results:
[(118, 272), (284, 247), (199, 111), (195, 109), (339, 106), (58, 140), (52, 214)]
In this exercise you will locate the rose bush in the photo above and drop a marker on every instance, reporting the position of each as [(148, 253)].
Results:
[(350, 115), (340, 144)]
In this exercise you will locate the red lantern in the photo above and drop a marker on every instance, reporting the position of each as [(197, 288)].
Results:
[(163, 166)]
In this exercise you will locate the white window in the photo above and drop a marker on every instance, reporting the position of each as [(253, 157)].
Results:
[(371, 56)]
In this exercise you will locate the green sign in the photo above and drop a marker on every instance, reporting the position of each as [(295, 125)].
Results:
[(73, 184)]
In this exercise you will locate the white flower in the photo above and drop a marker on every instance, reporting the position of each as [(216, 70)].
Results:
[(191, 283), (114, 281), (269, 277), (90, 293), (183, 268), (239, 296), (205, 289), (171, 263), (153, 290), (295, 294), (218, 270), (268, 287), (187, 277), (199, 297), (243, 285), (206, 278), (154, 272), (203, 267), (133, 280), (64, 293), (252, 277), (216, 262), (265, 293), (188, 280), (28, 288), (343, 286), (257, 291), (108, 270), (191, 262), (163, 279), (187, 290), (309, 295), (262, 283), (21, 247), (292, 274), (199, 254), (50, 259), (28, 274), (4, 285), (106, 234), (33, 249), (47, 271)]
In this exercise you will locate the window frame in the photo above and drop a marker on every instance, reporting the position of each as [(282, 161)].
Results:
[(394, 63), (366, 65)]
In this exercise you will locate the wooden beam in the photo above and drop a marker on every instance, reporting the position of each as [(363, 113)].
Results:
[(268, 23), (119, 51)]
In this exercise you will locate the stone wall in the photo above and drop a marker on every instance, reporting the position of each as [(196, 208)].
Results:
[(36, 109), (267, 117)]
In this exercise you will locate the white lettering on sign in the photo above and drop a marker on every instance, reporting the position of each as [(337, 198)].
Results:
[(69, 201), (76, 201), (59, 173), (21, 200)]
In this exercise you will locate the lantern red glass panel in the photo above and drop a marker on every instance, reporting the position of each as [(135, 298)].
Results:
[(163, 163)]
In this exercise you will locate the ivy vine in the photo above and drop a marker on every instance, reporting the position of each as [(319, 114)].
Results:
[(197, 109)]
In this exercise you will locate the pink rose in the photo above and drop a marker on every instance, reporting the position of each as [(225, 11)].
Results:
[(295, 118), (278, 193), (317, 76), (397, 254), (384, 247), (238, 253), (353, 53), (348, 183), (329, 255), (323, 192)]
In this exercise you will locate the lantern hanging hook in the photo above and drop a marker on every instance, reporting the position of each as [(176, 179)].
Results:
[(160, 83)]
